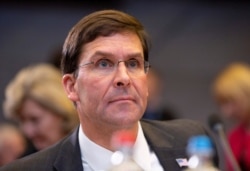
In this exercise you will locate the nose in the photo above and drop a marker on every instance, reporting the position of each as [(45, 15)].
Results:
[(122, 77)]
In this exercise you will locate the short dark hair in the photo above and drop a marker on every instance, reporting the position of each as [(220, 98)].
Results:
[(100, 23)]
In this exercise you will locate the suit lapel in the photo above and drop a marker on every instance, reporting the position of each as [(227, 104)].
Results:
[(167, 158), (164, 145), (69, 155)]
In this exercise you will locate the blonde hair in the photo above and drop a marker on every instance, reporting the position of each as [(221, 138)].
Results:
[(233, 83), (41, 83)]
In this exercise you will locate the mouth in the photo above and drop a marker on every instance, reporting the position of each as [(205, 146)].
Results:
[(122, 99)]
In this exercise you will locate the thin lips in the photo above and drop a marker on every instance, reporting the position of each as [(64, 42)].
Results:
[(121, 98)]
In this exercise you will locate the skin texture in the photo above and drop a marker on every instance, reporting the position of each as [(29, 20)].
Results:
[(107, 103), (40, 125)]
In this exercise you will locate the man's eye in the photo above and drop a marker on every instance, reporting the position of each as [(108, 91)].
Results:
[(104, 63), (133, 63)]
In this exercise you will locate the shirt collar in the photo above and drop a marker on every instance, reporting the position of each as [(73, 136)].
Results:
[(94, 157), (97, 158), (142, 151)]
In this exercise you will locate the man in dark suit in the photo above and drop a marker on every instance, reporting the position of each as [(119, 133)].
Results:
[(166, 138), (105, 65)]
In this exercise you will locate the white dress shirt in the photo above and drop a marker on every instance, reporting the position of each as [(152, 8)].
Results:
[(97, 158)]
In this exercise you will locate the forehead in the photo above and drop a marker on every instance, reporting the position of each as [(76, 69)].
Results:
[(119, 45)]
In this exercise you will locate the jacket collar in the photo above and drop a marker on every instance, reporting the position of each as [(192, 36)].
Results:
[(69, 155), (159, 139)]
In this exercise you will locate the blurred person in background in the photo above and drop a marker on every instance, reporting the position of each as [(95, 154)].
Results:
[(13, 144), (156, 109), (35, 98), (231, 91)]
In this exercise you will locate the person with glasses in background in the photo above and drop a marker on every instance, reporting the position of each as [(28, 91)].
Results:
[(105, 64)]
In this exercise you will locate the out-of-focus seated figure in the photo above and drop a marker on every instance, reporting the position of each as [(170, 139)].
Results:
[(231, 90), (155, 108), (35, 98), (12, 143)]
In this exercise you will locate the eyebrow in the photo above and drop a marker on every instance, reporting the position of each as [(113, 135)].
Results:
[(108, 54)]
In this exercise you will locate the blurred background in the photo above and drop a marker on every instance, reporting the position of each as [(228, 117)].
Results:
[(191, 41)]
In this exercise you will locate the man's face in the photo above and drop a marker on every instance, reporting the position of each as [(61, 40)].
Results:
[(116, 98)]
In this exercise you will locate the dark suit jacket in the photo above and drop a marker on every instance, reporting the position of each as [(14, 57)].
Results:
[(168, 139)]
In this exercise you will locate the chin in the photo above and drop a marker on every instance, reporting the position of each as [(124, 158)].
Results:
[(120, 119), (127, 121)]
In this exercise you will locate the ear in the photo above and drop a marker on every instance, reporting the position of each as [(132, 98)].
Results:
[(69, 81)]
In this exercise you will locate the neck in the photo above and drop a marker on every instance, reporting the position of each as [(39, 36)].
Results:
[(102, 135)]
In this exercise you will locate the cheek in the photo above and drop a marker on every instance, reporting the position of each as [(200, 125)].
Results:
[(93, 87), (91, 92), (228, 110), (142, 87), (51, 124)]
